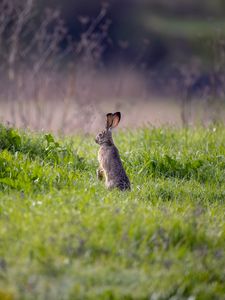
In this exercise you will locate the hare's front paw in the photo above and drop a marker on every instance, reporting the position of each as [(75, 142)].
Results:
[(100, 174)]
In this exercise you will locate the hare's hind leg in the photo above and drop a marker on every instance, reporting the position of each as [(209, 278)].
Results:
[(100, 173)]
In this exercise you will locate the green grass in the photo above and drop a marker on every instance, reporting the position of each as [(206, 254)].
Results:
[(64, 236), (184, 27)]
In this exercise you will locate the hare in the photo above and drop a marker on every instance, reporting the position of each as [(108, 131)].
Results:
[(110, 164)]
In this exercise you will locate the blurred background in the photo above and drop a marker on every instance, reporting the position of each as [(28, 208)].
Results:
[(65, 64)]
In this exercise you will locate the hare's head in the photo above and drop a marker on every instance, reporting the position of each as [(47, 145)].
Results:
[(105, 136)]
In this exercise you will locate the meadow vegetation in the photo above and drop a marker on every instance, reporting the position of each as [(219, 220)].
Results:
[(64, 236)]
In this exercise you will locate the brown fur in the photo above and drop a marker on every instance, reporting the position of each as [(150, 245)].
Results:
[(110, 164)]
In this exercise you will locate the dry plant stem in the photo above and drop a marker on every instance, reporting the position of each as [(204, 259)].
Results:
[(34, 68)]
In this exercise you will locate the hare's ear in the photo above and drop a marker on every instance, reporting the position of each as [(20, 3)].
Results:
[(109, 120), (116, 119)]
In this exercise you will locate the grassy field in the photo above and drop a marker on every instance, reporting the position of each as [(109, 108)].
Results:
[(64, 236)]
